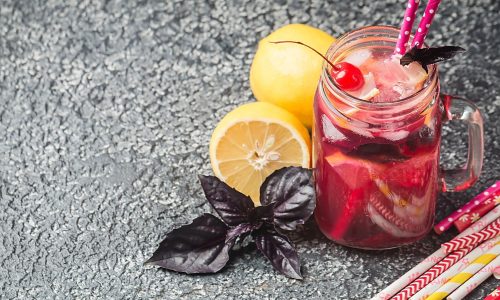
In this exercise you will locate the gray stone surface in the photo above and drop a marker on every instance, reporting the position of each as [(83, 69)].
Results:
[(106, 109)]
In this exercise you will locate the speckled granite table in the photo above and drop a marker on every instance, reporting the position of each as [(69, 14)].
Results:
[(106, 109)]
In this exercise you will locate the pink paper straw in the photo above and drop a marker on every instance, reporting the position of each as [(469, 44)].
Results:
[(476, 213), (432, 273), (393, 219), (460, 266), (433, 259), (448, 221), (406, 25), (496, 272), (491, 231), (494, 295), (425, 23)]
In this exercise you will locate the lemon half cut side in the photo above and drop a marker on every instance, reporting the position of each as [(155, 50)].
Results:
[(253, 141)]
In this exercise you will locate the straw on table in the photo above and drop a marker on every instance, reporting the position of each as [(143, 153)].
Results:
[(475, 214), (431, 274), (431, 260), (460, 278), (406, 26), (496, 273), (491, 231), (475, 280), (425, 23), (494, 295), (447, 222), (458, 267)]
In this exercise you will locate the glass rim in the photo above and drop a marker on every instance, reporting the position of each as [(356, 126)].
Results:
[(432, 69)]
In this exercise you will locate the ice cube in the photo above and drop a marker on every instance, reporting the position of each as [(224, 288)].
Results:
[(399, 88), (368, 90), (331, 133), (416, 75), (386, 95), (396, 81), (358, 57), (394, 135), (388, 73)]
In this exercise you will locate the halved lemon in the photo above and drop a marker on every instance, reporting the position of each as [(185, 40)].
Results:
[(254, 140)]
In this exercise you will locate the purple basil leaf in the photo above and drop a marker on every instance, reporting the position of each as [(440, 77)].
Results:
[(280, 252), (199, 247), (291, 193), (241, 230), (232, 206), (263, 213), (428, 56)]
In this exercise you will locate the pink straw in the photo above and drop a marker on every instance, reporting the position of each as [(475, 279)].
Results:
[(432, 273), (404, 33), (425, 23), (491, 231), (496, 272), (434, 258), (448, 221), (494, 295), (476, 213)]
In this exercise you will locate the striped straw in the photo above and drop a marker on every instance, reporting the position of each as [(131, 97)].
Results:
[(447, 222), (456, 268), (406, 26), (467, 273), (393, 218), (431, 274), (431, 260), (491, 231), (475, 281), (494, 295), (425, 23)]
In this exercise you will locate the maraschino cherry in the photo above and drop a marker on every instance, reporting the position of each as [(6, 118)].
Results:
[(347, 76)]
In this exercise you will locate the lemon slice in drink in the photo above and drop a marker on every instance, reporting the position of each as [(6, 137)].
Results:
[(253, 141)]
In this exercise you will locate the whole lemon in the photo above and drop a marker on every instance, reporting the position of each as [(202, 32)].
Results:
[(287, 74)]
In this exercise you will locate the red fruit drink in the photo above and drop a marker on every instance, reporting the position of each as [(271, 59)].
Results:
[(376, 149)]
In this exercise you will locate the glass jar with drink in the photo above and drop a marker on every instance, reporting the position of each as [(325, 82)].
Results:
[(376, 149)]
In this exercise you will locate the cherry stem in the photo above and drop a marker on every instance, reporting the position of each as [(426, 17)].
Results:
[(300, 43)]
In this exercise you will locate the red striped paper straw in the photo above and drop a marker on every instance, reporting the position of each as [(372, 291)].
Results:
[(432, 259), (393, 219), (460, 266), (476, 213), (425, 23), (494, 295), (406, 25), (491, 231), (448, 221), (432, 274)]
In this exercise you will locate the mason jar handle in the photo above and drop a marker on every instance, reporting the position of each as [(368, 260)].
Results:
[(456, 108)]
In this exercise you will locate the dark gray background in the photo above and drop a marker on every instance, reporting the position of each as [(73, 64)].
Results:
[(106, 110)]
